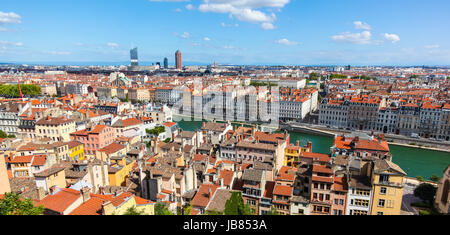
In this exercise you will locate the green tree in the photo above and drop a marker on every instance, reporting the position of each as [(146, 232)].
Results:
[(420, 178), (435, 178), (162, 209), (167, 140), (333, 75), (13, 90), (426, 192), (133, 211), (313, 76), (236, 206), (156, 131), (187, 210), (3, 135), (12, 204)]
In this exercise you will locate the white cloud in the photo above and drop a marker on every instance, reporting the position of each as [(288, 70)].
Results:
[(434, 46), (245, 10), (112, 44), (189, 7), (362, 25), (228, 25), (10, 18), (286, 42), (353, 38), (59, 52), (185, 35), (228, 47), (207, 39), (391, 37), (267, 26), (178, 10), (6, 43)]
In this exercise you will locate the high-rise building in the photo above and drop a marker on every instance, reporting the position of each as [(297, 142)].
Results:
[(134, 57), (178, 60), (166, 63)]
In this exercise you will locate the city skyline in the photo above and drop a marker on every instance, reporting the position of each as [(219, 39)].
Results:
[(236, 32)]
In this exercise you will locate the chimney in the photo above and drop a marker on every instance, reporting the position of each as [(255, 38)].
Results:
[(53, 190), (221, 182), (41, 193), (85, 193), (100, 190), (297, 143), (209, 193)]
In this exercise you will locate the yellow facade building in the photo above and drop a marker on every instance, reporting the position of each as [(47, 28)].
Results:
[(76, 150), (292, 154), (122, 202), (53, 177), (119, 170), (387, 183)]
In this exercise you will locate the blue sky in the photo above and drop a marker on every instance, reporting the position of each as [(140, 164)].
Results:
[(297, 32)]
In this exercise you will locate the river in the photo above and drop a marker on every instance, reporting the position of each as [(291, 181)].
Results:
[(415, 162)]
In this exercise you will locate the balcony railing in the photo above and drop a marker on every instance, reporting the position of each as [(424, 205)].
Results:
[(391, 183)]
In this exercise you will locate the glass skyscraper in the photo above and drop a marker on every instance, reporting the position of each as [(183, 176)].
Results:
[(134, 57), (166, 63)]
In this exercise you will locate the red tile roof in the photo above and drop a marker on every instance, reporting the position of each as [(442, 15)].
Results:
[(92, 207), (322, 179), (39, 160), (283, 190), (131, 122), (227, 177), (22, 159), (316, 156), (61, 200), (322, 169), (112, 148), (169, 124), (201, 199)]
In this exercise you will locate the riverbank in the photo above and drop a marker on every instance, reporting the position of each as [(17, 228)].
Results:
[(419, 147)]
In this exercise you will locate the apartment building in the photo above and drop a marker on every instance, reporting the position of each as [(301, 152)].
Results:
[(322, 181), (9, 116), (254, 183), (387, 181), (94, 139), (359, 196), (55, 128)]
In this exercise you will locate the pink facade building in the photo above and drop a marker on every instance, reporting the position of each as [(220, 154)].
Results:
[(95, 138)]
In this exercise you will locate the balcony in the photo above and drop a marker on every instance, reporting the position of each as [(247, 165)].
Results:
[(325, 202), (387, 183)]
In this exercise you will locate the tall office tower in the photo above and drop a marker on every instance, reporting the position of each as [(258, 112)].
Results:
[(134, 57), (178, 61), (166, 63)]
